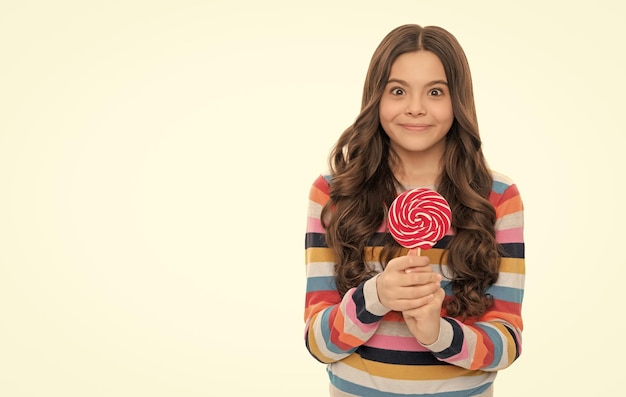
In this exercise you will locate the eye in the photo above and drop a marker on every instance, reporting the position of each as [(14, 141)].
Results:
[(397, 91), (435, 92)]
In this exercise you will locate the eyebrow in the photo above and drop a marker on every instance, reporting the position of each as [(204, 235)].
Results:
[(431, 83)]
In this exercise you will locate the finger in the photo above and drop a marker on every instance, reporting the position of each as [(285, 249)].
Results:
[(409, 305), (418, 261), (425, 305), (439, 295), (417, 291), (420, 278), (418, 264), (418, 269), (404, 262)]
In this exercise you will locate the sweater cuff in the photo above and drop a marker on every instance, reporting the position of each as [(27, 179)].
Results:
[(444, 340), (372, 303)]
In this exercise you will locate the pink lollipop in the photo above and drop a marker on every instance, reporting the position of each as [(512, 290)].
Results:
[(419, 218)]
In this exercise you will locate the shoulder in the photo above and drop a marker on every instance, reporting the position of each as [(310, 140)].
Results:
[(504, 191), (501, 182), (320, 189)]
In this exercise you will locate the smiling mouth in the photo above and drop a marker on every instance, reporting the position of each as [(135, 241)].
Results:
[(415, 127)]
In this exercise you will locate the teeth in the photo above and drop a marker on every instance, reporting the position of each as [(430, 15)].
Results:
[(419, 218)]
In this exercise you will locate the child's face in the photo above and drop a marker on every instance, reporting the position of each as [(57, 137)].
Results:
[(416, 109)]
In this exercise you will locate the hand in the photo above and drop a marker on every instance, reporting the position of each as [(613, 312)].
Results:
[(423, 322), (407, 283)]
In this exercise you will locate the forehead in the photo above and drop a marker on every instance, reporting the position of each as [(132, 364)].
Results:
[(418, 66)]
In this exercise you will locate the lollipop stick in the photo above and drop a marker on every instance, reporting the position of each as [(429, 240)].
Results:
[(415, 251)]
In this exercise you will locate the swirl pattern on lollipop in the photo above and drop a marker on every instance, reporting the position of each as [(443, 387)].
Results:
[(419, 218)]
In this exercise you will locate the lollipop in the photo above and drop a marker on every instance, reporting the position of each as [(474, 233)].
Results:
[(419, 218)]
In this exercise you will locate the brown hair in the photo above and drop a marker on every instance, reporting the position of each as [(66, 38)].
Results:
[(363, 184)]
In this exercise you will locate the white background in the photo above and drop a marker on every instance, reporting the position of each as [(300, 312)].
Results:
[(155, 163)]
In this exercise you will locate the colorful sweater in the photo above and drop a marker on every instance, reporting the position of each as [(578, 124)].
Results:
[(369, 350)]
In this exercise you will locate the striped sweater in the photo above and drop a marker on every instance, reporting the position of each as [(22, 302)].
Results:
[(369, 350)]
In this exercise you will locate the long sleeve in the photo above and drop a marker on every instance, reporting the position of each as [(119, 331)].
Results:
[(335, 326), (494, 341)]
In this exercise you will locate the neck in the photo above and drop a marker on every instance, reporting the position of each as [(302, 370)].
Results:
[(415, 178), (422, 170)]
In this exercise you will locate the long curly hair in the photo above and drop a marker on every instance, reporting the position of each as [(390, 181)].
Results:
[(363, 184)]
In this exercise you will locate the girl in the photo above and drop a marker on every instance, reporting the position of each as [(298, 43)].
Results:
[(388, 323)]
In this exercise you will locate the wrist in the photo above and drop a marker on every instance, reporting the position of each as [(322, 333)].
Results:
[(427, 334), (372, 299), (443, 339)]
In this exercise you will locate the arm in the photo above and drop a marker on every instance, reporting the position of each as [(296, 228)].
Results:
[(493, 342), (335, 326)]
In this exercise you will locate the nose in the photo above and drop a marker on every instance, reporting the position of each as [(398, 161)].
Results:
[(415, 107)]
